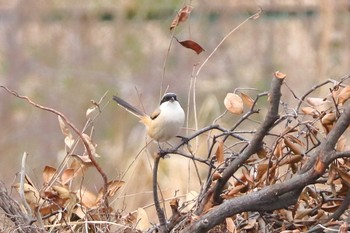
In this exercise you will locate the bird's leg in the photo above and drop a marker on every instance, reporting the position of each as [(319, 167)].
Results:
[(183, 139)]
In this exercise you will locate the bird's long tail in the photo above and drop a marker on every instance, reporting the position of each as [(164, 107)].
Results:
[(128, 107)]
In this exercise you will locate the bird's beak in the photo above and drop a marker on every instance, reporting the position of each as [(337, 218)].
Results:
[(172, 99)]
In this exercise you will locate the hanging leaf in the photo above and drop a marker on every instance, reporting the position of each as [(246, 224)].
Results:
[(233, 103), (190, 44), (247, 100), (181, 16), (344, 95), (48, 173), (67, 175), (142, 220), (220, 152), (64, 127)]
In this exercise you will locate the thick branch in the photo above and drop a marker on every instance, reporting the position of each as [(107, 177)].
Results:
[(282, 194), (255, 144), (160, 212)]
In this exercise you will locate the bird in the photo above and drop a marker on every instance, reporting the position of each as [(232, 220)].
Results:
[(165, 122)]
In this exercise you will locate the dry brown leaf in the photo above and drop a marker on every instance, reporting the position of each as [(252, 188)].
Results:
[(291, 159), (279, 149), (261, 170), (190, 44), (344, 176), (31, 194), (92, 112), (69, 141), (233, 103), (220, 158), (67, 175), (331, 208), (64, 127), (310, 111), (87, 198), (332, 173), (233, 191), (344, 95), (329, 118), (230, 225), (313, 101), (216, 176), (247, 176), (48, 173), (341, 144), (142, 220), (280, 75), (113, 187), (292, 146), (247, 100), (62, 192), (262, 153), (181, 16), (92, 146)]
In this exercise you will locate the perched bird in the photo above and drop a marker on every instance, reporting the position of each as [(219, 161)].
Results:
[(165, 122)]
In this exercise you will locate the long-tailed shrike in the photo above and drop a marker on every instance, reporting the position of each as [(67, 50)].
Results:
[(165, 122)]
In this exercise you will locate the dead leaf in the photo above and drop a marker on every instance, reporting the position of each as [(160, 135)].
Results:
[(247, 100), (216, 176), (31, 194), (181, 16), (67, 175), (230, 225), (92, 112), (142, 220), (329, 118), (87, 198), (310, 111), (341, 144), (190, 44), (113, 187), (344, 95), (69, 141), (292, 146), (48, 173), (233, 103), (220, 152), (92, 146), (64, 127), (291, 159), (315, 101)]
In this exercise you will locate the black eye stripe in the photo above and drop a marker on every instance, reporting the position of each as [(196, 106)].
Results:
[(168, 97)]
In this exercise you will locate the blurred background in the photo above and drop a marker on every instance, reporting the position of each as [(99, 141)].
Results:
[(62, 54)]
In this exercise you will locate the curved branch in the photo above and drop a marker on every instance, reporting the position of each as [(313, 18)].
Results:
[(75, 129)]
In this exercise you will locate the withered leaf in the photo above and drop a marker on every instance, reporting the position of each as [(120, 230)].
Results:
[(67, 175), (233, 103), (48, 173), (230, 226), (181, 16), (142, 220), (247, 100), (113, 187), (344, 95), (220, 152), (190, 44)]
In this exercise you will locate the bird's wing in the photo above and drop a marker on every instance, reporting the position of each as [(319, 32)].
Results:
[(155, 114), (128, 107)]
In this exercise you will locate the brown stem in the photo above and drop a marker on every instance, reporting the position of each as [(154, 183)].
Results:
[(75, 129)]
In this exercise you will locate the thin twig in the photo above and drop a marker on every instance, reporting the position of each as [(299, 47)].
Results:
[(72, 126)]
